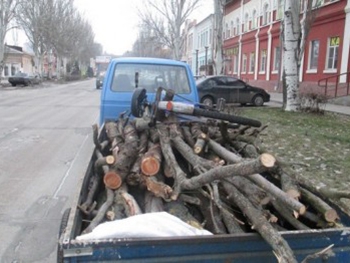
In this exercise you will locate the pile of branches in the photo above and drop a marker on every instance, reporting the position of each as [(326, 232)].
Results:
[(208, 174)]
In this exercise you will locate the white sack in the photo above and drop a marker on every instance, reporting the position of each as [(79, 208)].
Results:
[(160, 224)]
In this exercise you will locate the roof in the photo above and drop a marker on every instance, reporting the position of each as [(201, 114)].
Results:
[(9, 49), (148, 60), (13, 50)]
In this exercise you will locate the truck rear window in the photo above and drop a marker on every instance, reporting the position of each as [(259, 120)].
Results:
[(150, 77)]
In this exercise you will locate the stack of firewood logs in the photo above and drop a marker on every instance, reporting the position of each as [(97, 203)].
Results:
[(208, 174)]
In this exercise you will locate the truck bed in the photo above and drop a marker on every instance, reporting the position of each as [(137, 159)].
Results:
[(236, 248)]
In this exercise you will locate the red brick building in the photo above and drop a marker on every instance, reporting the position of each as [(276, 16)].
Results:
[(252, 44)]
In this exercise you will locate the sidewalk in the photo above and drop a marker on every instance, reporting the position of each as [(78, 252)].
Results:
[(340, 105)]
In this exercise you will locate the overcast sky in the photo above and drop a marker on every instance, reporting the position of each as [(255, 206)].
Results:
[(115, 21)]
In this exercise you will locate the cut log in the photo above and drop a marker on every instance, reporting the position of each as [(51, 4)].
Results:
[(128, 154), (201, 138), (200, 143), (112, 180), (151, 161), (277, 193), (107, 160), (159, 189), (288, 216), (327, 212), (258, 165)]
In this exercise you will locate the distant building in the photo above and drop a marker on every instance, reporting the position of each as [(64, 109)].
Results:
[(199, 45), (252, 42), (17, 60)]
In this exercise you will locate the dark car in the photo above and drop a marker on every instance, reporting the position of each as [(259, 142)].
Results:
[(21, 78), (232, 89), (99, 79)]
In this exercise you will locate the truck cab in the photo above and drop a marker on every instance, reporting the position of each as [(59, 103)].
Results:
[(124, 75)]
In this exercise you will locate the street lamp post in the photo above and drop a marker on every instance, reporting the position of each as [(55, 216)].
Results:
[(206, 60), (197, 62)]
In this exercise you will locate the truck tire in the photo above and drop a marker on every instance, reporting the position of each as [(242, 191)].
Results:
[(63, 225), (226, 117)]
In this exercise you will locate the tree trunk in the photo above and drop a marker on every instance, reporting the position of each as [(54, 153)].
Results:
[(291, 51)]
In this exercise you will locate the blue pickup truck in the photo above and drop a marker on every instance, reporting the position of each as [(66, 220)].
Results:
[(122, 77)]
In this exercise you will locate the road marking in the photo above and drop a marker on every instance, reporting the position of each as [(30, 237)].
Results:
[(69, 169)]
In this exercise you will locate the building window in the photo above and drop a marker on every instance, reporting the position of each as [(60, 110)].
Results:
[(254, 24), (190, 42), (227, 31), (252, 62), (244, 63), (232, 28), (263, 61), (332, 53), (277, 61), (235, 60), (313, 56), (6, 71), (246, 22), (238, 26), (280, 9), (13, 70), (317, 3), (235, 64), (265, 15)]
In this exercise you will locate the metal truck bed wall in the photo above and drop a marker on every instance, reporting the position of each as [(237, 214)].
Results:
[(219, 248)]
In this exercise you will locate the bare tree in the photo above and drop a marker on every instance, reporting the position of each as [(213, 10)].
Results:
[(166, 19), (55, 27), (148, 44), (7, 15), (33, 17), (295, 32), (218, 39)]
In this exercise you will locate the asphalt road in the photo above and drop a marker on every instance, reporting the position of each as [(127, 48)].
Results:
[(45, 145)]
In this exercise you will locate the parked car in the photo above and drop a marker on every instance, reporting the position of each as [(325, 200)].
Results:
[(99, 79), (21, 78), (232, 89)]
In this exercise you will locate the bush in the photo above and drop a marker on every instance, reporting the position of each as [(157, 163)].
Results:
[(313, 102)]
